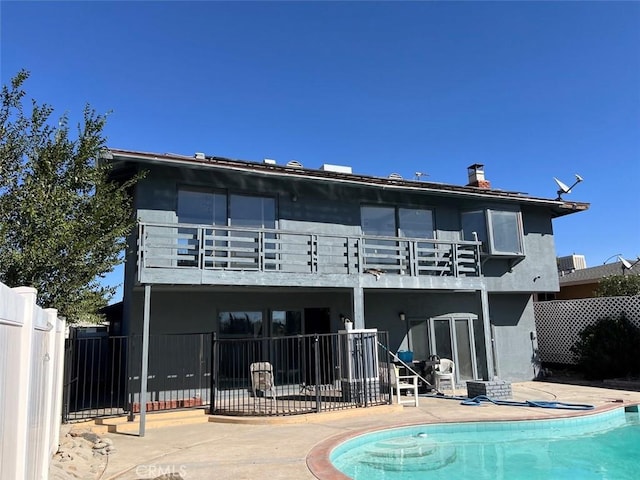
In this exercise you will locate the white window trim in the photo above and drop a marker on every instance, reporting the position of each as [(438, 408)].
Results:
[(493, 250), (489, 245)]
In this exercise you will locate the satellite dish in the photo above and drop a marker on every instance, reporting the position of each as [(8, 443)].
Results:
[(563, 188), (625, 264)]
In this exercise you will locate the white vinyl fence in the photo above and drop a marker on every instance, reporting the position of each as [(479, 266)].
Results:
[(31, 376), (559, 322)]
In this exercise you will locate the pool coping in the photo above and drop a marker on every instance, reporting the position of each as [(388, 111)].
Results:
[(319, 463)]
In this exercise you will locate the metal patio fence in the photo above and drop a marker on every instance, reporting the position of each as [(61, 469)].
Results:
[(102, 374), (300, 374), (251, 376)]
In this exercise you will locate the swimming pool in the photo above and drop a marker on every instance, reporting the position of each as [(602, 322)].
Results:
[(599, 446)]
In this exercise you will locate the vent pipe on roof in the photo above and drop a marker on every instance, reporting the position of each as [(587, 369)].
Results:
[(327, 167), (395, 176), (476, 176)]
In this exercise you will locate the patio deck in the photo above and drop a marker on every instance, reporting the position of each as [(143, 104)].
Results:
[(256, 448)]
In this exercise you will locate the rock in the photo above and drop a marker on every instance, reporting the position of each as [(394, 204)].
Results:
[(108, 441), (169, 476), (111, 450), (98, 445), (65, 457), (92, 437)]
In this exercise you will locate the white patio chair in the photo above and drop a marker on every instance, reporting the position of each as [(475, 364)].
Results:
[(404, 382), (445, 370)]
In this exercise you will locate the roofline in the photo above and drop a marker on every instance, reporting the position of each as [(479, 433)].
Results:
[(559, 207)]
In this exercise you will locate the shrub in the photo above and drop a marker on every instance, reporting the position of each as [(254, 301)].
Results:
[(608, 349), (618, 285)]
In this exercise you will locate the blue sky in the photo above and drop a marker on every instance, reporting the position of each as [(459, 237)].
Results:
[(532, 90)]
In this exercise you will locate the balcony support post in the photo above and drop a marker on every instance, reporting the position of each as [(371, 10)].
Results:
[(144, 374), (357, 305), (488, 333)]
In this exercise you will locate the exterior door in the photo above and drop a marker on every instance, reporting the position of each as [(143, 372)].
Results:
[(454, 337)]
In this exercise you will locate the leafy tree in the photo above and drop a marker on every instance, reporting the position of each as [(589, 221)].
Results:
[(618, 285), (608, 349), (63, 222)]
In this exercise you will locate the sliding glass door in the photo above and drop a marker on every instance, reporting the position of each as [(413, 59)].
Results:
[(461, 339), (458, 337)]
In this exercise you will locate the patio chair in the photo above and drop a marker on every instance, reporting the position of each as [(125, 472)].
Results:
[(404, 382), (262, 379), (445, 370)]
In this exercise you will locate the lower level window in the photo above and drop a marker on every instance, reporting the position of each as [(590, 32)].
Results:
[(285, 323), (240, 324)]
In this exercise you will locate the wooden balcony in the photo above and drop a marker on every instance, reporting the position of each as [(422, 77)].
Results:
[(173, 253)]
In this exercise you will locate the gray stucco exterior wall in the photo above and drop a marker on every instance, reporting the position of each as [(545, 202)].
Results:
[(512, 321), (184, 311), (304, 205)]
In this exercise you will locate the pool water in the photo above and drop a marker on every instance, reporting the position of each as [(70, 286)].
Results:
[(601, 446)]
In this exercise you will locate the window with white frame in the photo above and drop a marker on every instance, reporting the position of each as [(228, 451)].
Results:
[(500, 231)]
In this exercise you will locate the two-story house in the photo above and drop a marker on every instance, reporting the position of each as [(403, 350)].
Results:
[(250, 249)]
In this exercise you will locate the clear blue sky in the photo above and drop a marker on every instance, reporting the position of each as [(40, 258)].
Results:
[(532, 90)]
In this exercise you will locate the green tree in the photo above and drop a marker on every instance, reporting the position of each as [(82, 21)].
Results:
[(618, 285), (63, 222)]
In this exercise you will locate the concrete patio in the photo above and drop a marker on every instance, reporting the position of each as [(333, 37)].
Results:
[(278, 448)]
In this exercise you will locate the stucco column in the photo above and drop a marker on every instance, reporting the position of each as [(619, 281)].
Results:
[(357, 307), (488, 334)]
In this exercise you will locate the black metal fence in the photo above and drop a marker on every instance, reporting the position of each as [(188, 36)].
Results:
[(102, 374), (95, 377), (251, 376), (300, 374)]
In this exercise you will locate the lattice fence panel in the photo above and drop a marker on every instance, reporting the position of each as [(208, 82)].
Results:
[(559, 322)]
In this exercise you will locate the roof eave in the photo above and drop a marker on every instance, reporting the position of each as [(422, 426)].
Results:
[(558, 207)]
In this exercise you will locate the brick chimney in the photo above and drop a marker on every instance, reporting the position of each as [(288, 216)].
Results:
[(476, 176)]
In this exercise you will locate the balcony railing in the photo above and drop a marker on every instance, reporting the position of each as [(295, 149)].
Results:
[(188, 246)]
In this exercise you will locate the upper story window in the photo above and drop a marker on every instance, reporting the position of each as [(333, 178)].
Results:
[(216, 208), (394, 222), (379, 221), (202, 207), (415, 223), (500, 231), (252, 211)]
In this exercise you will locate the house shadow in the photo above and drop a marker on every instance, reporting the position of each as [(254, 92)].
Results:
[(566, 375)]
